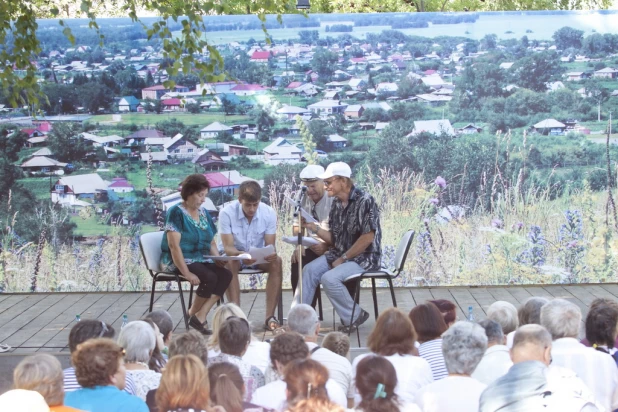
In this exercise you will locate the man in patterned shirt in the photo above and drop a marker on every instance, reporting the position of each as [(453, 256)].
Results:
[(354, 236)]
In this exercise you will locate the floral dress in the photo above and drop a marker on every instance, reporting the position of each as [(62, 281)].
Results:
[(196, 237)]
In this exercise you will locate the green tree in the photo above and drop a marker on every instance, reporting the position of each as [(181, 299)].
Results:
[(324, 62), (66, 143), (535, 71), (193, 108), (142, 210), (311, 156), (566, 37), (320, 130), (94, 96), (263, 119), (228, 106)]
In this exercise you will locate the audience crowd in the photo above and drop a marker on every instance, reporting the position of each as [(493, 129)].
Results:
[(542, 356)]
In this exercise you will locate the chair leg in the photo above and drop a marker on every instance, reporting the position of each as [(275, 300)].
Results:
[(318, 292), (280, 308), (375, 297), (182, 304), (390, 285), (152, 292), (190, 296), (356, 299)]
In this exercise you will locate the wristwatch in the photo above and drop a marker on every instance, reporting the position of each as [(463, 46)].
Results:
[(344, 257)]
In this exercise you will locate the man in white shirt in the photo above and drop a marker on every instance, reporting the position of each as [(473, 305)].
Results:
[(531, 384), (598, 370), (303, 320), (497, 360), (284, 349), (250, 223)]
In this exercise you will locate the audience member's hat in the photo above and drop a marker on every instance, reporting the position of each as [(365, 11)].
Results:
[(337, 169), (23, 400), (311, 172)]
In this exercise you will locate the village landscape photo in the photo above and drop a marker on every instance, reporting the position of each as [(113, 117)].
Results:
[(488, 134)]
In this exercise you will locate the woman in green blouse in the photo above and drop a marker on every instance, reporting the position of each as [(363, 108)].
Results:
[(190, 235)]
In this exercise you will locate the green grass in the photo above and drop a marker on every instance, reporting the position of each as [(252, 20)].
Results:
[(38, 186), (92, 227), (143, 119), (257, 174)]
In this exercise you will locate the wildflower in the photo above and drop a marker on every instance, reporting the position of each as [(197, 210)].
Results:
[(497, 223), (517, 226), (440, 182), (434, 201)]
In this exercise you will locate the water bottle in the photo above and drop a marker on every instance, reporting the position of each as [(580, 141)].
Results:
[(77, 318), (125, 320), (470, 314)]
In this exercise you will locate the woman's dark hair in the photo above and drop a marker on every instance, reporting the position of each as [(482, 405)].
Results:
[(156, 361), (192, 184), (288, 347), (226, 386), (234, 336), (428, 321), (372, 371), (393, 333), (447, 309), (601, 323), (89, 329)]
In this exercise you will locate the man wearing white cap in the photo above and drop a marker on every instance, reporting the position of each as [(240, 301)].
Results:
[(318, 204), (354, 236)]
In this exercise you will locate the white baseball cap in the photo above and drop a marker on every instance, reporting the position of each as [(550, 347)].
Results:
[(311, 172), (337, 169)]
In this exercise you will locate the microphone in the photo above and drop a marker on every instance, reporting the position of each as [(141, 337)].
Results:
[(300, 193)]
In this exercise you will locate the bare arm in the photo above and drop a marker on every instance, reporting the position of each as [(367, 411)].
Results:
[(323, 234), (361, 244), (228, 245), (173, 240)]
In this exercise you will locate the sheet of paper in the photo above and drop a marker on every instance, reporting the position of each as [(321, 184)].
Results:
[(306, 215), (259, 253), (242, 256), (306, 241)]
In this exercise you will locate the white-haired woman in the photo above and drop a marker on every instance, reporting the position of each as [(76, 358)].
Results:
[(258, 352), (463, 345), (506, 315), (138, 340)]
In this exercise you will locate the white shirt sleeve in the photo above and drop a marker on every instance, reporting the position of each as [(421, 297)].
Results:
[(271, 224), (225, 222), (336, 394)]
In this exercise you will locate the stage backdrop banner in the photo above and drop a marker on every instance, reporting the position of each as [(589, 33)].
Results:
[(488, 134)]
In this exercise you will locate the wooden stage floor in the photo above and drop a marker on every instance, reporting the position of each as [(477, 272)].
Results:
[(40, 322)]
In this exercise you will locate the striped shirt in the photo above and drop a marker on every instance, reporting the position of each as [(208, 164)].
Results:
[(71, 384), (431, 351)]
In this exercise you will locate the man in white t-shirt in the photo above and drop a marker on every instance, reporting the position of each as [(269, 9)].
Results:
[(304, 320), (497, 360), (283, 350)]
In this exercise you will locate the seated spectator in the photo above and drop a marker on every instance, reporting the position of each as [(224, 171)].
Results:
[(429, 326), (139, 341), (165, 323), (447, 309), (184, 385), (393, 337), (463, 345), (227, 389), (23, 400), (376, 380), (561, 318), (303, 320), (156, 361), (188, 343), (531, 384), (505, 314), (99, 368), (234, 338), (42, 373), (257, 353), (80, 333), (497, 360), (601, 332), (306, 390), (285, 349), (338, 343), (530, 311)]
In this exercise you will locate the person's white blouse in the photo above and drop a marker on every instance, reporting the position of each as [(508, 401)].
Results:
[(145, 381), (413, 373), (257, 354), (495, 363), (453, 393), (273, 395)]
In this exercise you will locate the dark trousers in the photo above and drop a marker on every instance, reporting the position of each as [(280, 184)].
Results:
[(308, 258), (213, 279)]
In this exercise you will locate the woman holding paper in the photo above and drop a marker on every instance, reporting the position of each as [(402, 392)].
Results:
[(190, 234)]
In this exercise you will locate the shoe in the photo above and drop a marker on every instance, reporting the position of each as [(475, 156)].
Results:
[(362, 318), (195, 323)]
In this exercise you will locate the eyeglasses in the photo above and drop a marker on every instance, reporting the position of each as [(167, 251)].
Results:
[(329, 182)]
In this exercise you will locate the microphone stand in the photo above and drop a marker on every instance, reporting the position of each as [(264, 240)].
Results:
[(299, 246)]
